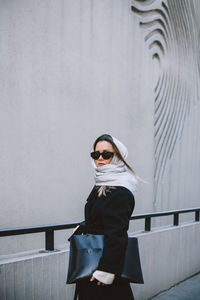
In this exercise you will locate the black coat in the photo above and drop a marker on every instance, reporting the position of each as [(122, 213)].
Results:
[(109, 215)]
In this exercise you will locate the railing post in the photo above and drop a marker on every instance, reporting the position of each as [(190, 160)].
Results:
[(176, 219), (148, 224), (196, 215), (49, 240)]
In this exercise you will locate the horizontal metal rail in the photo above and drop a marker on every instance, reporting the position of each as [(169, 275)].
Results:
[(49, 229), (175, 213)]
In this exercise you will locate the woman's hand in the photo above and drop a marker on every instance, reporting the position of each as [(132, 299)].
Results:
[(98, 282)]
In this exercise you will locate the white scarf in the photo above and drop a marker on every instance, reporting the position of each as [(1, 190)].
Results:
[(116, 172)]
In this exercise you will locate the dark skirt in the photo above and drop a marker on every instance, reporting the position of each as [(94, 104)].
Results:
[(91, 291)]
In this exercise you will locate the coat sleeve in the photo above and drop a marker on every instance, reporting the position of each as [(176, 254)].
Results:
[(115, 217)]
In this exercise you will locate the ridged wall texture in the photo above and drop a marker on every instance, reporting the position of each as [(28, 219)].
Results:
[(171, 31)]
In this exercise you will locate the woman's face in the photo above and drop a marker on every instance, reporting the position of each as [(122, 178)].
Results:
[(101, 147)]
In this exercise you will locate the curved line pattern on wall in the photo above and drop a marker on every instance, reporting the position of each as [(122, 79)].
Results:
[(172, 37)]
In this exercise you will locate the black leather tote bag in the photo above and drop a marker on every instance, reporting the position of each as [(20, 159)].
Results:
[(86, 250)]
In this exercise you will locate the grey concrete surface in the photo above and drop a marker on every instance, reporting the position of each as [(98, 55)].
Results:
[(72, 70), (176, 126), (166, 257), (189, 289), (69, 71)]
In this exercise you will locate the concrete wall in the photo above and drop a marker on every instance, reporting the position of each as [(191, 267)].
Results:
[(69, 71), (168, 256), (171, 34)]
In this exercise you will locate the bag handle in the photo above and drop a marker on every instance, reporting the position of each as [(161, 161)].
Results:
[(78, 230)]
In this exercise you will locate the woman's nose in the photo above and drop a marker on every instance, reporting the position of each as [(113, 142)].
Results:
[(100, 157)]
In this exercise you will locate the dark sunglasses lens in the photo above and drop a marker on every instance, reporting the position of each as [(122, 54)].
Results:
[(95, 155), (107, 155)]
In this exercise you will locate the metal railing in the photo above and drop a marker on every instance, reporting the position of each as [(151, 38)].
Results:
[(49, 229), (175, 214)]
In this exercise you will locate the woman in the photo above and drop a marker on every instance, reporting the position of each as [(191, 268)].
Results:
[(107, 211)]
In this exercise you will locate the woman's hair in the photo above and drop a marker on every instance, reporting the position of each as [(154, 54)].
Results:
[(108, 138)]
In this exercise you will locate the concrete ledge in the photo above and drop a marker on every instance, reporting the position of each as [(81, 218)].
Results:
[(168, 256)]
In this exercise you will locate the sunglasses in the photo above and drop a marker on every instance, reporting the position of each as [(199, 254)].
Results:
[(106, 155)]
